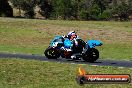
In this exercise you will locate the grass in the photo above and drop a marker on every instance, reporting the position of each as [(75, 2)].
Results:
[(18, 73), (32, 36), (116, 51)]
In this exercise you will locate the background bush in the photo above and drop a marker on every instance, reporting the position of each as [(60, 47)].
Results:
[(5, 9), (72, 9)]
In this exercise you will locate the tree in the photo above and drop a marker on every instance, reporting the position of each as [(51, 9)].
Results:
[(114, 2), (85, 9), (61, 9), (46, 8), (95, 10), (5, 9), (25, 5), (28, 7), (106, 15), (122, 10), (130, 6), (76, 9), (17, 4)]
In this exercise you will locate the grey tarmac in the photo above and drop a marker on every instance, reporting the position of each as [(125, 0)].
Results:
[(100, 62)]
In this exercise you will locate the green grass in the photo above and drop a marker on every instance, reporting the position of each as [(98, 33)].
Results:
[(116, 51), (18, 73), (32, 36), (22, 49)]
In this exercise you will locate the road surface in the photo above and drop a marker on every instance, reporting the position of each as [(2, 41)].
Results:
[(43, 58)]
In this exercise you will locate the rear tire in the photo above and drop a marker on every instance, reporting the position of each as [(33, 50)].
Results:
[(51, 53), (91, 55)]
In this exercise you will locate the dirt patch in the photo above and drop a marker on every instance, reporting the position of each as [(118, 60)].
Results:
[(109, 36), (101, 34)]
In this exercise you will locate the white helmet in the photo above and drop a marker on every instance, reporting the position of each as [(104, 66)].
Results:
[(71, 33)]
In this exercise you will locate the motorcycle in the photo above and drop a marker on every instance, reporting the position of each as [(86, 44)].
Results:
[(66, 48)]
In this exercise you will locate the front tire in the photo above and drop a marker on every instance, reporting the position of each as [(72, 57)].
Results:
[(91, 55), (51, 53)]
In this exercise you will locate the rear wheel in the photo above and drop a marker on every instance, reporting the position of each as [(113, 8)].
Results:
[(51, 53), (91, 55)]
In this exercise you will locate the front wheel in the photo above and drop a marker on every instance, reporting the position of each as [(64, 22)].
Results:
[(51, 53), (91, 55)]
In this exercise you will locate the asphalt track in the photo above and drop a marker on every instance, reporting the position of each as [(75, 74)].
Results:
[(99, 62)]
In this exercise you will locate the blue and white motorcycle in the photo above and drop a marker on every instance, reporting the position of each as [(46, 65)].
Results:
[(66, 48)]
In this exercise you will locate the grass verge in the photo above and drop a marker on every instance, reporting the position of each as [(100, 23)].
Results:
[(32, 36), (17, 73)]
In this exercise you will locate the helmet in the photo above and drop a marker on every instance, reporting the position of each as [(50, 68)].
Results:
[(71, 35)]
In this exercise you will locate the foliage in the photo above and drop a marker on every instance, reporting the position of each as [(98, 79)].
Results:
[(25, 5), (84, 15), (106, 15), (46, 8), (94, 12), (121, 10), (5, 9), (130, 6), (62, 9), (77, 9)]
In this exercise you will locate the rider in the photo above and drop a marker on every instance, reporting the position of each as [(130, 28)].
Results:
[(72, 36)]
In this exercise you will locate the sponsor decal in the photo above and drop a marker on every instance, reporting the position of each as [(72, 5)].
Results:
[(83, 78)]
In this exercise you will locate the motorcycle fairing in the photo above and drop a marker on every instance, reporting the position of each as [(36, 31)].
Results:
[(94, 43), (67, 43), (56, 40)]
